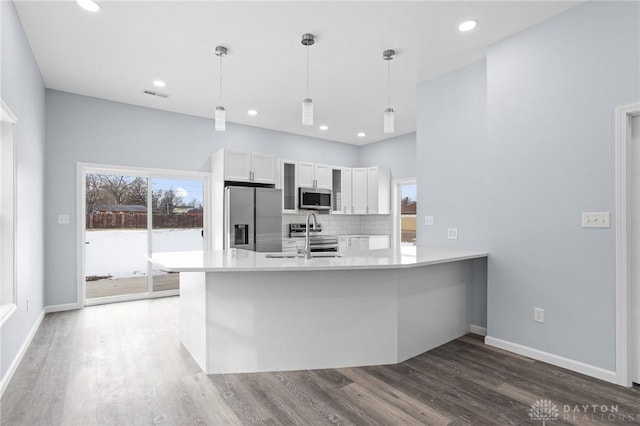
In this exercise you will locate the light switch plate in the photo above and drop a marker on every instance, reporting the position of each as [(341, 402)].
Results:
[(428, 220), (452, 233), (63, 219), (596, 220)]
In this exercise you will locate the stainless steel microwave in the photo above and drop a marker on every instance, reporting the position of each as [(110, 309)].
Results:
[(314, 199)]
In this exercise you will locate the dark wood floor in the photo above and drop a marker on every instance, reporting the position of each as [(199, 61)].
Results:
[(122, 364)]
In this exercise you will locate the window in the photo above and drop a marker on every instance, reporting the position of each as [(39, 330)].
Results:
[(8, 299), (405, 209)]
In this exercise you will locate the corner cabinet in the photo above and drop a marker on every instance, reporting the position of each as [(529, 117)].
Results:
[(378, 190), (249, 167), (371, 190), (359, 193)]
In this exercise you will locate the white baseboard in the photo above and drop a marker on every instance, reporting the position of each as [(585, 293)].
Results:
[(23, 349), (569, 364), (476, 329), (60, 308)]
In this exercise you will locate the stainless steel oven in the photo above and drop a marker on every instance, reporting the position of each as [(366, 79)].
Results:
[(317, 241)]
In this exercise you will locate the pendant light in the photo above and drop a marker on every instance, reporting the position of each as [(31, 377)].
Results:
[(221, 113), (389, 113), (307, 103)]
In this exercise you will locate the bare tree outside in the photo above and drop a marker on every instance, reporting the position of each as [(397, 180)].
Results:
[(118, 226), (103, 191)]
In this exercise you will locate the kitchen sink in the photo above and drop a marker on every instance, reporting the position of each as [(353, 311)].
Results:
[(283, 255), (326, 254), (300, 255)]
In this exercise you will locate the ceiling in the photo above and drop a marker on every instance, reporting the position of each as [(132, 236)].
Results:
[(115, 54)]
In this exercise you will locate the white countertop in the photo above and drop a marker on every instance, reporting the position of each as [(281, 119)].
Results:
[(249, 261), (359, 235)]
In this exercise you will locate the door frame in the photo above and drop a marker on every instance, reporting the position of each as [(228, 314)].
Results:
[(624, 338), (395, 208), (9, 144), (81, 170)]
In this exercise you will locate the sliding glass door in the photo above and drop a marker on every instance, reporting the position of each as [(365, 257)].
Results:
[(176, 223), (115, 235), (129, 215)]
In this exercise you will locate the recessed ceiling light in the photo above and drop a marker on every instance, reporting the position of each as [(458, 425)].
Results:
[(252, 112), (324, 127), (362, 134), (89, 5), (159, 83), (468, 25)]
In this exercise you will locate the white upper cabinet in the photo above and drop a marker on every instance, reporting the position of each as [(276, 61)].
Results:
[(237, 165), (263, 167), (306, 174), (359, 193), (289, 186), (371, 190), (249, 167), (378, 190), (311, 175), (323, 176), (341, 191)]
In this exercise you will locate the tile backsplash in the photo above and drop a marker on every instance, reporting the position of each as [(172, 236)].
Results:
[(335, 224)]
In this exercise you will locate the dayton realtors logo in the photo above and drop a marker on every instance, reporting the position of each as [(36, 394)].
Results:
[(544, 410)]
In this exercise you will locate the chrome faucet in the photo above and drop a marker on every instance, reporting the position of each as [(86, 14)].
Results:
[(307, 241)]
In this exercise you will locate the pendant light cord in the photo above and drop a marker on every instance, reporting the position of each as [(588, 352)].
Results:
[(388, 83), (220, 91), (307, 71)]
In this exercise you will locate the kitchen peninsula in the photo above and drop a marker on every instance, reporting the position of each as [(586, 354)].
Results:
[(246, 312)]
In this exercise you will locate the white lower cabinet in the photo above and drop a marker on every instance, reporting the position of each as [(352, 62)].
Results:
[(291, 245), (377, 242), (348, 244), (360, 243)]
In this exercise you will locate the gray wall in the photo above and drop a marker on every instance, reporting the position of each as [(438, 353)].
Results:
[(398, 153), (22, 89), (84, 129), (552, 90), (450, 151)]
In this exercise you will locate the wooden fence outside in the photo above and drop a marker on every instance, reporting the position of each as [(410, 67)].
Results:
[(126, 220), (408, 228)]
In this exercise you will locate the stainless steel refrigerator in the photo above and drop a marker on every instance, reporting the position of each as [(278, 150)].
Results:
[(253, 218)]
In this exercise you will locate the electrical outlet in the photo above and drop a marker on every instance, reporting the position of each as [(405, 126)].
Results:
[(452, 233), (538, 314), (428, 220), (596, 220), (63, 219)]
